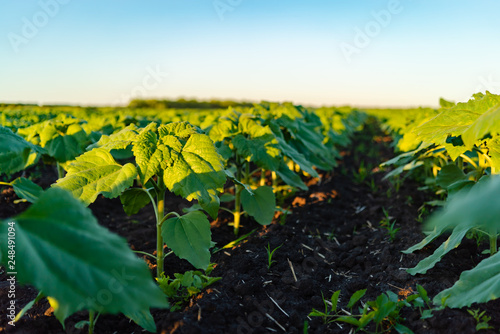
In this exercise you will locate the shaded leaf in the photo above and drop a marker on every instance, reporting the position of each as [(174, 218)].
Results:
[(189, 237), (261, 204), (134, 199), (27, 189), (15, 152)]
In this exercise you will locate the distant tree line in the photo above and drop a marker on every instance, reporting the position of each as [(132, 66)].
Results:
[(186, 104)]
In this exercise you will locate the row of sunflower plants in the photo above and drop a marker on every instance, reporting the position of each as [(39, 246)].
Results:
[(459, 149)]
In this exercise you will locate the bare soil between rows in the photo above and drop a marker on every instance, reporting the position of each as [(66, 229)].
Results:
[(330, 241)]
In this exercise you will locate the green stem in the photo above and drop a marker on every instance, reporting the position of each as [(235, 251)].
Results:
[(6, 184), (262, 177), (237, 196), (460, 162), (493, 244), (159, 238), (60, 170), (168, 215), (469, 160), (146, 253), (247, 172), (91, 321), (237, 209)]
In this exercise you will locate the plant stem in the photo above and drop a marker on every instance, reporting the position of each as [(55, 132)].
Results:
[(493, 244), (275, 179), (262, 177), (247, 172), (91, 321), (159, 238), (60, 170), (237, 197), (237, 209)]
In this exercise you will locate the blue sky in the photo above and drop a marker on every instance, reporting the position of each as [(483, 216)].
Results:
[(316, 52)]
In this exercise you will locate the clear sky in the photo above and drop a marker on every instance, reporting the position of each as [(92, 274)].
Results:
[(314, 52)]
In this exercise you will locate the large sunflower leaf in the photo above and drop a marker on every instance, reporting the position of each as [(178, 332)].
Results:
[(194, 169), (63, 252), (148, 154), (96, 172), (450, 122)]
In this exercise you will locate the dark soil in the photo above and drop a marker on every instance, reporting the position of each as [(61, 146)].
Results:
[(330, 241)]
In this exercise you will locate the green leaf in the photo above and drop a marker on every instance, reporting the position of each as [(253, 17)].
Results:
[(355, 297), (382, 307), (64, 148), (63, 252), (436, 232), (261, 205), (261, 150), (117, 141), (15, 152), (494, 153), (134, 199), (28, 306), (423, 293), (402, 329), (148, 154), (450, 122), (291, 178), (426, 314), (448, 175), (297, 157), (350, 320), (194, 170), (189, 237), (451, 243), (179, 130), (27, 189), (477, 208), (334, 300), (478, 285), (487, 123), (96, 172)]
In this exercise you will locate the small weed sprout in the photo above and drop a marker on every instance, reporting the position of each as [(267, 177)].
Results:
[(386, 224), (481, 319), (270, 254)]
